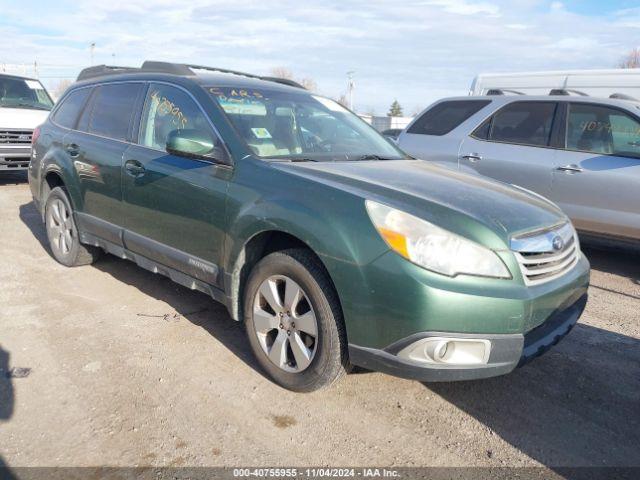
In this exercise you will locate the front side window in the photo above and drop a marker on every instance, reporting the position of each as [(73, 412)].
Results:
[(24, 93), (523, 123), (166, 110), (112, 111), (445, 116), (287, 124), (603, 130), (67, 113)]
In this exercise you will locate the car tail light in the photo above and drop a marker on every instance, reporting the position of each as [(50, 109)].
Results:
[(35, 135)]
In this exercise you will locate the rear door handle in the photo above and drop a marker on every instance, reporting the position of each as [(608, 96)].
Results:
[(73, 150), (573, 168), (472, 157), (134, 167)]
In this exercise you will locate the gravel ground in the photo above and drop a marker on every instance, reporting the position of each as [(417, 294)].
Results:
[(113, 365)]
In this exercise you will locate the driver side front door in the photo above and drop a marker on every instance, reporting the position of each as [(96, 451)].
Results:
[(174, 206)]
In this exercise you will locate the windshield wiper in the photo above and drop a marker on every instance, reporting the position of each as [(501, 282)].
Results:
[(373, 156), (25, 105), (302, 159)]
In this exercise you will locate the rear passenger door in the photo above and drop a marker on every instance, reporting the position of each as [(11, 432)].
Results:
[(434, 134), (174, 205), (515, 145), (95, 148), (597, 180)]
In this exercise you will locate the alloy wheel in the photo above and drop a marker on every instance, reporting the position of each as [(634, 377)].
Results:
[(285, 323), (60, 223)]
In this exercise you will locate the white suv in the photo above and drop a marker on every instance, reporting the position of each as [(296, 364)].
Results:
[(24, 104)]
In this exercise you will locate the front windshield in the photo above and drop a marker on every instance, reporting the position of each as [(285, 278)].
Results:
[(23, 93), (291, 125)]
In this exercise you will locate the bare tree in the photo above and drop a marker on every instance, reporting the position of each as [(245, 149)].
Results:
[(283, 72), (309, 83), (631, 59), (60, 87), (343, 100)]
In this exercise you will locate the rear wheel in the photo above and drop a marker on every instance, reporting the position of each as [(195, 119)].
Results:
[(62, 232), (293, 321)]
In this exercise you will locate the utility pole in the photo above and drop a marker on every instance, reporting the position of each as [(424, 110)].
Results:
[(350, 86), (92, 49)]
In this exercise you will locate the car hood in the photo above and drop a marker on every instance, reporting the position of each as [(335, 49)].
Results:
[(26, 118), (450, 199)]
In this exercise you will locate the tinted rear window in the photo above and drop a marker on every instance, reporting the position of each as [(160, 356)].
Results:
[(113, 108), (67, 113), (524, 123), (446, 116)]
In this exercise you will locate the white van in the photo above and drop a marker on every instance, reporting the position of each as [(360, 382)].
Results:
[(595, 83), (24, 104)]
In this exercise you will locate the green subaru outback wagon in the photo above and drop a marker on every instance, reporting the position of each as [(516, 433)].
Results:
[(333, 246)]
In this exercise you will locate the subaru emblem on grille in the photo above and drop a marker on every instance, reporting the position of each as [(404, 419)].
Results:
[(557, 243)]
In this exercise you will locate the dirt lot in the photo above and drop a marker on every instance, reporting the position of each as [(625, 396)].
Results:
[(127, 368)]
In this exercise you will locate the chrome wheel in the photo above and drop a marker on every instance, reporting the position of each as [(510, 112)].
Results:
[(285, 323), (60, 226)]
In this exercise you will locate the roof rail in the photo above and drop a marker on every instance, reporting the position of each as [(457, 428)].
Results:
[(567, 92), (174, 69), (284, 81), (502, 91), (622, 96), (166, 67), (101, 70)]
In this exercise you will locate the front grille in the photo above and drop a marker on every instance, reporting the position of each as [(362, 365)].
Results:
[(13, 160), (15, 137), (547, 254)]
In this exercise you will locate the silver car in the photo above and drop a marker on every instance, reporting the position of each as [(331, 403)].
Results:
[(582, 153)]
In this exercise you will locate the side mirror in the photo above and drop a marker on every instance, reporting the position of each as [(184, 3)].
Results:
[(193, 143)]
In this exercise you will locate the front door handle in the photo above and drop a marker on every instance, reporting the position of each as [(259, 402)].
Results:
[(134, 168), (573, 168), (73, 150), (472, 157)]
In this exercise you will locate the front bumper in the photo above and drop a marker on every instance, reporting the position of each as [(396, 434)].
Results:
[(508, 351)]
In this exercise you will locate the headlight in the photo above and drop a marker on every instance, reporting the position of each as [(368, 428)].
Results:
[(432, 247)]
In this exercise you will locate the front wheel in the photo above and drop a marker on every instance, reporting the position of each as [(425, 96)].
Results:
[(294, 322)]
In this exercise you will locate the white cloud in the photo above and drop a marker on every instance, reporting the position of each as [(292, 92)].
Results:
[(415, 50), (462, 7)]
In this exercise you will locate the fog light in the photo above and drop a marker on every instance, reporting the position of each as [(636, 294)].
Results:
[(437, 350), (448, 351)]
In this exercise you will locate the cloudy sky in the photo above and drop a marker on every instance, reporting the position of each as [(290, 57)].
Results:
[(415, 51)]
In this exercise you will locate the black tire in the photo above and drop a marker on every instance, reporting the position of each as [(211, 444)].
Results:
[(329, 361), (62, 232)]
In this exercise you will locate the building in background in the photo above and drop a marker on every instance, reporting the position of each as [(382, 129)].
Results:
[(382, 123)]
